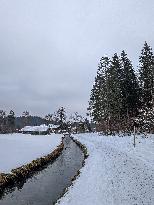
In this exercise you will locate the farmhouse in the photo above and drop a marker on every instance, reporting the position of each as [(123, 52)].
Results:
[(39, 130)]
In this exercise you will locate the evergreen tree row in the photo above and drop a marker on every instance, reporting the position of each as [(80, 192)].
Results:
[(118, 94)]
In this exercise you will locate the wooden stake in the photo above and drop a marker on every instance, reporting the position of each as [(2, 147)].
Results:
[(134, 136)]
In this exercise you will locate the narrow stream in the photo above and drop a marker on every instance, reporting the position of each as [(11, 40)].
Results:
[(46, 186)]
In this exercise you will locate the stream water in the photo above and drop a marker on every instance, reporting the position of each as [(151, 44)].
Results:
[(46, 186)]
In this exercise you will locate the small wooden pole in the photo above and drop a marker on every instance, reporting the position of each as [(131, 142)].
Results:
[(134, 136)]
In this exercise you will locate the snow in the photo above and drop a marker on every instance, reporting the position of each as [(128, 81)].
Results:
[(53, 126), (115, 173), (19, 149), (40, 128)]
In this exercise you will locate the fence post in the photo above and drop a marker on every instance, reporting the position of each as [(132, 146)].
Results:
[(134, 136)]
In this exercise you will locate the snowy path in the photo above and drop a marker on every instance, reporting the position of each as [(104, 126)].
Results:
[(19, 149), (115, 173)]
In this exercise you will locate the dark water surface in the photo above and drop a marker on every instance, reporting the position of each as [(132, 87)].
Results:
[(45, 187)]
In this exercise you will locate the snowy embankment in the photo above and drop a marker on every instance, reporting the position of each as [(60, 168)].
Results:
[(114, 173), (19, 149)]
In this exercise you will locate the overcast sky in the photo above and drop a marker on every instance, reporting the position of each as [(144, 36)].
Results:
[(50, 49)]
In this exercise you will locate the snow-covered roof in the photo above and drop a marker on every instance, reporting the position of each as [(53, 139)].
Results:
[(53, 126), (40, 128)]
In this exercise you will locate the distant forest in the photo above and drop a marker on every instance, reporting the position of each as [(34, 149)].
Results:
[(121, 97), (10, 123), (73, 123)]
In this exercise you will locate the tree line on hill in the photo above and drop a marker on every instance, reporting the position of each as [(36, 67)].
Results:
[(10, 123), (122, 98), (73, 123)]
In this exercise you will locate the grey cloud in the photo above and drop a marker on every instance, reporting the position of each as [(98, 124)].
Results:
[(49, 50)]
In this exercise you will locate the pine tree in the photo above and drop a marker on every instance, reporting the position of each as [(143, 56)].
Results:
[(99, 99), (129, 87), (25, 117), (2, 121), (61, 114), (114, 88), (11, 121), (146, 75), (145, 119)]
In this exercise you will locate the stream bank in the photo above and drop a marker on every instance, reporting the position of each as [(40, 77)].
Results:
[(46, 186)]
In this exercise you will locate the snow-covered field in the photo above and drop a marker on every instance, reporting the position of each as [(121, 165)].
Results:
[(115, 172), (19, 149)]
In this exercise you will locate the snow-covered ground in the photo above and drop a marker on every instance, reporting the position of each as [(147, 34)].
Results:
[(19, 149), (115, 173)]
